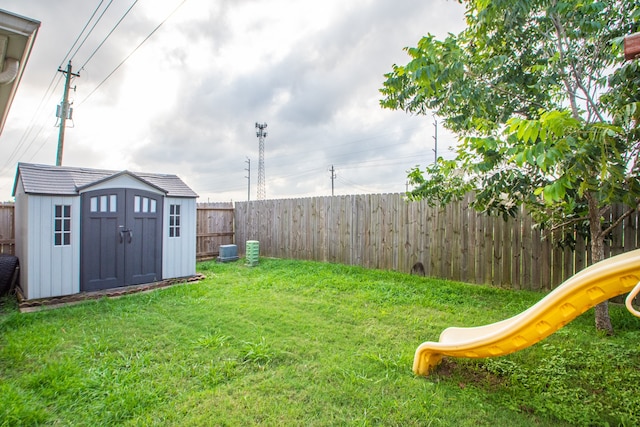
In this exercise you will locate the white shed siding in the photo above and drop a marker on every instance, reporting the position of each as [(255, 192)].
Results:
[(22, 234), (52, 270), (179, 253)]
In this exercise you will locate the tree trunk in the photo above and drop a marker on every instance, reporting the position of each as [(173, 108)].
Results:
[(603, 321)]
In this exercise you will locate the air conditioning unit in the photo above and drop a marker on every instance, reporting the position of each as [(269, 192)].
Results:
[(228, 253)]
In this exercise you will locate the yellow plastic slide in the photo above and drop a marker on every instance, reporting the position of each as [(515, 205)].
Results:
[(591, 286)]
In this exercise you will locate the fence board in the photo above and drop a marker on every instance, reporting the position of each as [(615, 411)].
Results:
[(507, 249), (454, 242), (557, 257), (464, 240), (630, 229), (488, 239), (481, 264), (7, 227), (498, 243), (429, 227), (617, 243), (516, 253)]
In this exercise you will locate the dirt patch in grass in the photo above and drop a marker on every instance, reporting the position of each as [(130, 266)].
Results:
[(468, 375)]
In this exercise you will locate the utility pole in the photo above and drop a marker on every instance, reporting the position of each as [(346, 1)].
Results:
[(248, 169), (261, 134), (64, 112), (333, 177), (435, 138)]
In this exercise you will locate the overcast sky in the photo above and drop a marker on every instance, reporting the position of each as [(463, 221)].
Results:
[(186, 101)]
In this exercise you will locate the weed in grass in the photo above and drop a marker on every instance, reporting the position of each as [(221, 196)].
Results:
[(212, 340), (258, 353)]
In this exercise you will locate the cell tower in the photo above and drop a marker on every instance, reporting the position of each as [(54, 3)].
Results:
[(261, 134)]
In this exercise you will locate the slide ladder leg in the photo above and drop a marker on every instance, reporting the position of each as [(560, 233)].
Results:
[(629, 300)]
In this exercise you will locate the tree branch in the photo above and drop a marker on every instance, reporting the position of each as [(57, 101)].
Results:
[(621, 218), (577, 74), (569, 222), (604, 209), (567, 84)]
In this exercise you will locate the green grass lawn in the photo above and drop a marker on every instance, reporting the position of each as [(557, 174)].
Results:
[(305, 343)]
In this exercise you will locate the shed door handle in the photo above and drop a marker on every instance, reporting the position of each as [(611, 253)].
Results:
[(129, 232)]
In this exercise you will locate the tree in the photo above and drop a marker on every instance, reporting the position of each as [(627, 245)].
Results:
[(545, 109)]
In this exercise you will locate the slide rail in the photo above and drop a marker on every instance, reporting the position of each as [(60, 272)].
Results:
[(628, 302)]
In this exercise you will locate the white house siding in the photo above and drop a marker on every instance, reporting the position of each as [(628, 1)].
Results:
[(179, 253), (52, 270)]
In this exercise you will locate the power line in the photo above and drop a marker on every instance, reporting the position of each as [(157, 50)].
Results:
[(376, 135), (91, 30), (356, 186), (381, 162), (108, 35), (132, 52), (294, 154), (81, 32)]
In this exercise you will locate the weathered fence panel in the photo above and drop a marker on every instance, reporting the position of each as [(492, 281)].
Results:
[(453, 242), (214, 227), (7, 236)]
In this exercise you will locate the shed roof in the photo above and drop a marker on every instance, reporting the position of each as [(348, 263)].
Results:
[(69, 181)]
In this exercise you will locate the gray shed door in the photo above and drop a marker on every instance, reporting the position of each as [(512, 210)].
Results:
[(121, 238)]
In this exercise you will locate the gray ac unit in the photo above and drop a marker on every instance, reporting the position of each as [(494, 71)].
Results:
[(228, 253)]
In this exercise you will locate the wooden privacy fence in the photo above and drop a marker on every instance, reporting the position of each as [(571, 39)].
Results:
[(384, 231), (7, 229), (214, 227)]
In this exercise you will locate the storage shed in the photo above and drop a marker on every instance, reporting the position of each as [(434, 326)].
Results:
[(80, 230)]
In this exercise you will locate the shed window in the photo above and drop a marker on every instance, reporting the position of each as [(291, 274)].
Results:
[(62, 225), (174, 220), (144, 205), (104, 203)]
